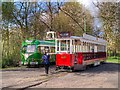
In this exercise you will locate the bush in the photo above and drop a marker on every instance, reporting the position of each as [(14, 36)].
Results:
[(9, 62), (4, 63)]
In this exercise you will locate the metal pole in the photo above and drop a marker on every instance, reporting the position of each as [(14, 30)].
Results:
[(84, 24)]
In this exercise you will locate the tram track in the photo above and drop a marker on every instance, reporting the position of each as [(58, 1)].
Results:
[(32, 83), (54, 75), (36, 78), (45, 80)]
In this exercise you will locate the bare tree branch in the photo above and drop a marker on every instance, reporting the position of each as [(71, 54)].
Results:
[(70, 17)]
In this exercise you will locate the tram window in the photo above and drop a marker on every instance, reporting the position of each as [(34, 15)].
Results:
[(68, 49), (47, 49), (49, 36), (92, 50), (52, 50), (30, 48), (63, 46), (40, 49)]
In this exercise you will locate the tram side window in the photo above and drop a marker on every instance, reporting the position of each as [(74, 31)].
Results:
[(76, 45), (52, 50), (40, 49), (64, 46), (49, 36), (92, 50), (73, 45)]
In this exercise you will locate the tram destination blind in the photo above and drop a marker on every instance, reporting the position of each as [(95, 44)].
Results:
[(64, 34)]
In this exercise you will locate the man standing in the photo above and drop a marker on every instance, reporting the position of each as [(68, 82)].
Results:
[(46, 62)]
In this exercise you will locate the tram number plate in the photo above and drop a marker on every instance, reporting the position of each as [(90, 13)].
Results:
[(33, 63), (96, 63)]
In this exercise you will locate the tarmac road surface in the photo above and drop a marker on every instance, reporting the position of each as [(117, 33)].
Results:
[(103, 76)]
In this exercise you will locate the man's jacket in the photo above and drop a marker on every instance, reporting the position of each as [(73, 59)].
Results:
[(45, 59)]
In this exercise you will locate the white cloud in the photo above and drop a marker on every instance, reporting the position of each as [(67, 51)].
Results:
[(93, 10), (85, 2)]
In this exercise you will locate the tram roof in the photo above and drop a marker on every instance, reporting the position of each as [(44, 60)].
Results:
[(47, 43), (98, 41)]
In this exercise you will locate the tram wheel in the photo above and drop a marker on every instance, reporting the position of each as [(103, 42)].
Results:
[(72, 69)]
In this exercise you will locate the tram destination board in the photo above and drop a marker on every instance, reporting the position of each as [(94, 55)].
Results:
[(64, 34)]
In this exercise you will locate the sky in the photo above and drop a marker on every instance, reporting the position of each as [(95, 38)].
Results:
[(94, 12), (89, 5)]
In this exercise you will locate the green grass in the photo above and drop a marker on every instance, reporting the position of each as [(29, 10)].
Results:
[(113, 60)]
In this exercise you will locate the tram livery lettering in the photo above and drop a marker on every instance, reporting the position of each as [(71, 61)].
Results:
[(63, 57)]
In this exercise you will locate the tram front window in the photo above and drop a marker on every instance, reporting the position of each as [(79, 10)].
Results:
[(65, 44), (30, 48)]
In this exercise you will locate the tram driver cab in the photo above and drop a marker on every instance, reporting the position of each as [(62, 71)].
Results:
[(51, 35)]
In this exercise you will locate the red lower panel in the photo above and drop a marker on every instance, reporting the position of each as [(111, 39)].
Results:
[(79, 58), (64, 59)]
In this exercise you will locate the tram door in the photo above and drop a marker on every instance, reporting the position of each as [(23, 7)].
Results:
[(77, 51)]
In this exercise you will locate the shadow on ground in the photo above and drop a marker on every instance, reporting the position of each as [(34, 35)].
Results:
[(106, 67)]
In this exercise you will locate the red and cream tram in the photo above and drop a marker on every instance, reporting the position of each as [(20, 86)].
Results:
[(76, 53)]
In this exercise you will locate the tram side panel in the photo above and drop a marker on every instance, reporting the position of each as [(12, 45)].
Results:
[(92, 58), (69, 60), (79, 58), (76, 61), (65, 59)]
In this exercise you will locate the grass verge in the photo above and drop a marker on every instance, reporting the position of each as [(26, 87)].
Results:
[(113, 60)]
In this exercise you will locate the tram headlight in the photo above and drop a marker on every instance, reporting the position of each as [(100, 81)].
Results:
[(26, 56)]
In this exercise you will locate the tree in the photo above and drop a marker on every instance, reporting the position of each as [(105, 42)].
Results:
[(109, 16), (7, 10), (21, 16), (78, 14)]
